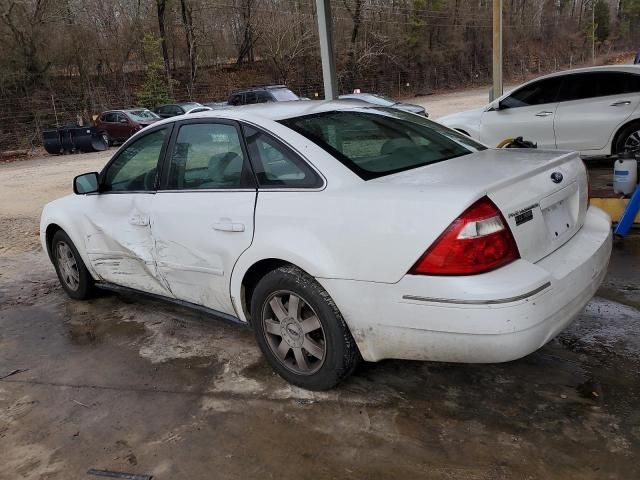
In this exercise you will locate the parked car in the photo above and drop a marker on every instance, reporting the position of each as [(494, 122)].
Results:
[(174, 109), (217, 105), (269, 93), (383, 101), (118, 125), (339, 231), (592, 110)]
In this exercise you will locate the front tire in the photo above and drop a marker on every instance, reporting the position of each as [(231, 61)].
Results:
[(106, 138), (301, 331), (72, 272)]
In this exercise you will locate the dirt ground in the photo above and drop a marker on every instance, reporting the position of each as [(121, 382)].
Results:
[(134, 385)]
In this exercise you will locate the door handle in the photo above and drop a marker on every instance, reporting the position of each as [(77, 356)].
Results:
[(621, 103), (139, 220), (228, 227), (544, 114)]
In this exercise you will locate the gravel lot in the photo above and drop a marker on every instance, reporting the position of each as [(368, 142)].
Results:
[(134, 385)]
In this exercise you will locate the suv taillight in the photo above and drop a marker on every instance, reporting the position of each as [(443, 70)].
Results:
[(479, 240)]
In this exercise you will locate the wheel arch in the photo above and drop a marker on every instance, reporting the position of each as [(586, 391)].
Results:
[(50, 231), (252, 275), (622, 127)]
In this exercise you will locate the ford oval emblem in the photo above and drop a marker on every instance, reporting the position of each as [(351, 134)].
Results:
[(556, 177)]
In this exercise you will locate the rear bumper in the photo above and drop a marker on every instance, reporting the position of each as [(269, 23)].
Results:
[(494, 317)]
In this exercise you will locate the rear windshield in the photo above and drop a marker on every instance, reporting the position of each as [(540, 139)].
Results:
[(142, 115), (283, 94), (375, 142)]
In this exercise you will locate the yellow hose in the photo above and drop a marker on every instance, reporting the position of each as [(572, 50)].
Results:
[(505, 142)]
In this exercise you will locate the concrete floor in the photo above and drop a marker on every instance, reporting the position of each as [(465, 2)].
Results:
[(134, 385)]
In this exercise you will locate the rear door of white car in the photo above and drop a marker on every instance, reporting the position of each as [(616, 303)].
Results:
[(593, 105), (203, 213), (528, 112), (118, 235)]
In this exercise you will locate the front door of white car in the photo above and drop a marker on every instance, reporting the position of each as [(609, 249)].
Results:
[(528, 112), (202, 217), (118, 235), (593, 105)]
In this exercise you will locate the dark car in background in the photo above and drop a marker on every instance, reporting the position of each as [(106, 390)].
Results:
[(264, 94), (174, 109), (386, 102), (118, 125)]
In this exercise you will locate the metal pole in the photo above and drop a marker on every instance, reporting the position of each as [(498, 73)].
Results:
[(497, 49), (593, 32), (325, 32)]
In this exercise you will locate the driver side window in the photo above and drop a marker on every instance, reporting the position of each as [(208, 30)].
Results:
[(536, 93), (134, 169)]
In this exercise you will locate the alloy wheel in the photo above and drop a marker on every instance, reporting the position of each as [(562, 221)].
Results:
[(632, 142), (294, 332), (67, 266)]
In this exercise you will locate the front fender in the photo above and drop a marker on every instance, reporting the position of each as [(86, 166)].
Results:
[(67, 214)]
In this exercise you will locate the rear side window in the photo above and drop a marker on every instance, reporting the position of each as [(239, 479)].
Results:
[(536, 93), (374, 142), (580, 86), (276, 165), (262, 97), (207, 156), (107, 117)]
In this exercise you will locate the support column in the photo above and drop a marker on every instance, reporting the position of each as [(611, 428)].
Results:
[(327, 52), (497, 49)]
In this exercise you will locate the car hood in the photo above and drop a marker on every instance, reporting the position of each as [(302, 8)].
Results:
[(468, 117)]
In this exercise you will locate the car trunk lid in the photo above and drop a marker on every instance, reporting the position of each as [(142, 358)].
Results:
[(543, 195)]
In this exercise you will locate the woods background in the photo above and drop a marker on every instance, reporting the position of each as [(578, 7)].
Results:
[(85, 56)]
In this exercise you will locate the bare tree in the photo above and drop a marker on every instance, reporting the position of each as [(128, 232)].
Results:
[(190, 39), (161, 6), (284, 40)]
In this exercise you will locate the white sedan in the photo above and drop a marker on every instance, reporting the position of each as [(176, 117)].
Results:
[(591, 110), (339, 232)]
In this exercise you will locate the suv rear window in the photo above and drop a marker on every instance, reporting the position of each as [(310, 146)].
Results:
[(374, 142), (283, 94)]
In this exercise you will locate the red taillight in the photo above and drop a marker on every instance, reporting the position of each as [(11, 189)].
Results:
[(479, 240)]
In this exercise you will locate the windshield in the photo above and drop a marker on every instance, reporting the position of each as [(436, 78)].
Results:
[(142, 115), (382, 100), (283, 94), (374, 142), (190, 105)]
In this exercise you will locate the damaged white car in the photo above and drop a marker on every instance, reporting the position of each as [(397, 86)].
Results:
[(339, 233)]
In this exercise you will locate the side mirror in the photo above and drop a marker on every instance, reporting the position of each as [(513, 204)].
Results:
[(86, 183), (124, 120)]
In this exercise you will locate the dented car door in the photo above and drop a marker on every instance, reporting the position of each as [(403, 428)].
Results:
[(119, 240), (202, 217)]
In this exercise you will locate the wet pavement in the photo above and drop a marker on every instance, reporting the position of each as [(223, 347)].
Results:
[(129, 384)]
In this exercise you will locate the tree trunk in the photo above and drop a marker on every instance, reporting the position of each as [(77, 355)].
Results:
[(162, 5)]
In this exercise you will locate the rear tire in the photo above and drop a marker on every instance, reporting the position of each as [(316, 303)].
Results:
[(300, 330), (72, 272), (628, 138)]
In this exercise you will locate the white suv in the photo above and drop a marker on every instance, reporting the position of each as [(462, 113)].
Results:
[(590, 110)]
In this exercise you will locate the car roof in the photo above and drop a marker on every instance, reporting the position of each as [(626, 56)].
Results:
[(261, 87), (601, 68), (281, 110)]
